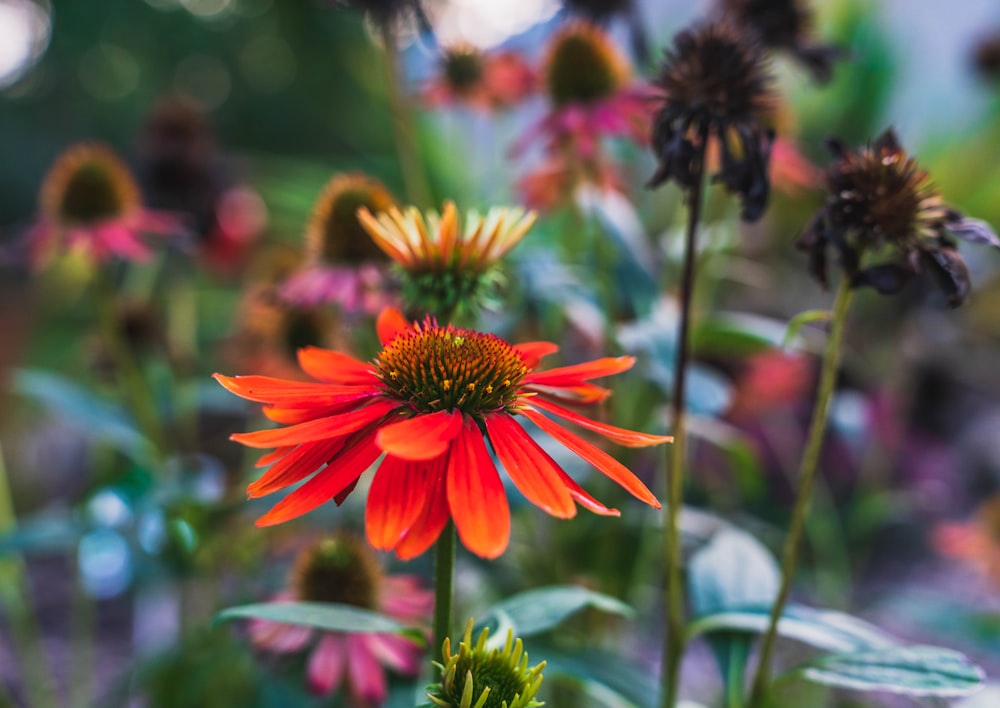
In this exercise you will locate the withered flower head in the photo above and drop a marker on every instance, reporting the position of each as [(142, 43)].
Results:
[(462, 67), (334, 234), (880, 200), (785, 25), (582, 65), (715, 85), (176, 145), (986, 56), (599, 10), (386, 13)]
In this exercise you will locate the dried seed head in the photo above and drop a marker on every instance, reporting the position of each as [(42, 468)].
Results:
[(582, 65)]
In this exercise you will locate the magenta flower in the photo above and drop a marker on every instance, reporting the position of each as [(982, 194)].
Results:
[(90, 203), (342, 569)]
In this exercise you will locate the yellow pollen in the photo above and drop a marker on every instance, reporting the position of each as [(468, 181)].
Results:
[(489, 388), (446, 385)]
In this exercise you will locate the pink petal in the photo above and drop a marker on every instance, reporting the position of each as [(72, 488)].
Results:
[(327, 662), (396, 652), (366, 674)]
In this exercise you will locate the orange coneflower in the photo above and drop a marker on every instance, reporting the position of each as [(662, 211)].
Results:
[(429, 401), (90, 202)]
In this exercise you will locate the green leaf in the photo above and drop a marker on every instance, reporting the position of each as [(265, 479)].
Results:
[(733, 570), (799, 321), (328, 616), (97, 418), (824, 629), (915, 670), (537, 611), (625, 678), (42, 533), (736, 334)]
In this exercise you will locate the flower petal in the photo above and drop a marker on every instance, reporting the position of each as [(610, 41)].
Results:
[(595, 456), (327, 663), (322, 428), (334, 367), (340, 473), (422, 437), (433, 518), (295, 466), (578, 373), (585, 500), (532, 352), (390, 324), (366, 675), (628, 438), (476, 496), (529, 467), (282, 392), (399, 653), (398, 495)]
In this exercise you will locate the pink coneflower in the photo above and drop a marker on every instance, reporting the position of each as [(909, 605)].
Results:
[(342, 264), (90, 202), (343, 570), (588, 83), (975, 542), (487, 81)]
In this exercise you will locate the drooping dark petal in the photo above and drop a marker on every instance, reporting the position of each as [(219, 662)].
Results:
[(747, 174), (849, 257), (886, 278), (887, 141), (949, 271), (972, 230), (813, 241)]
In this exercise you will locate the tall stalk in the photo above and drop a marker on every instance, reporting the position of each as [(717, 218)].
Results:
[(674, 637), (403, 128), (444, 583), (807, 479)]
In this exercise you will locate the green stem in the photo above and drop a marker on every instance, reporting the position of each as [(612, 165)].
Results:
[(82, 645), (674, 639), (131, 381), (444, 581), (807, 479), (15, 593), (403, 127)]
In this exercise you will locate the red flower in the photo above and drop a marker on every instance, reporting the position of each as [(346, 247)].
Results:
[(429, 401)]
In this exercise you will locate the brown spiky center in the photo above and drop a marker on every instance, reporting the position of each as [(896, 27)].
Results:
[(339, 569), (446, 368), (583, 66), (88, 186), (715, 73), (883, 197), (335, 235), (463, 68)]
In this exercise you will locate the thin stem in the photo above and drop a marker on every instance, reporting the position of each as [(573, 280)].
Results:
[(444, 581), (132, 383), (82, 645), (403, 127), (807, 479), (674, 639), (15, 597)]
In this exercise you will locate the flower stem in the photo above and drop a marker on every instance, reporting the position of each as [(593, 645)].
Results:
[(444, 581), (403, 128), (674, 638), (807, 479), (15, 598), (133, 385)]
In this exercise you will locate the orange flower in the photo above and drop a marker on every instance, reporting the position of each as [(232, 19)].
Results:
[(429, 401)]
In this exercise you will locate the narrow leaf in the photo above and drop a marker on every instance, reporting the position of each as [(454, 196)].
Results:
[(915, 671), (537, 611), (321, 615), (796, 324)]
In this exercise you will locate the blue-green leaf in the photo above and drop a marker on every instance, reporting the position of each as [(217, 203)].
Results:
[(733, 570), (540, 610), (622, 677), (321, 615), (824, 629), (99, 419), (915, 670)]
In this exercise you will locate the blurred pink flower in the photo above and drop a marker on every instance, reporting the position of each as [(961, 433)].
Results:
[(487, 81), (975, 542), (343, 569), (89, 202)]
